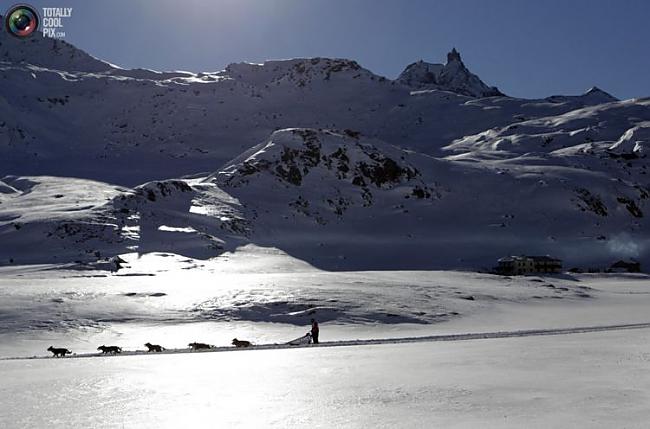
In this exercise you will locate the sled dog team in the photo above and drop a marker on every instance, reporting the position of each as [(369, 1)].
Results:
[(113, 350), (312, 336)]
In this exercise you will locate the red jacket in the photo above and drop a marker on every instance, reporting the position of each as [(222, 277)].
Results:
[(314, 328)]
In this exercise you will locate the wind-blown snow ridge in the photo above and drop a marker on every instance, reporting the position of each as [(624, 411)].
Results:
[(369, 342)]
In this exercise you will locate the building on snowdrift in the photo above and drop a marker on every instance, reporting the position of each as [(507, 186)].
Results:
[(522, 265), (630, 266)]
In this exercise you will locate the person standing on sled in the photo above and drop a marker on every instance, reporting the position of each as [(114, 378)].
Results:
[(314, 331)]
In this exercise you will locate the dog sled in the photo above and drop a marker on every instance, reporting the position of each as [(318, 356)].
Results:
[(305, 339)]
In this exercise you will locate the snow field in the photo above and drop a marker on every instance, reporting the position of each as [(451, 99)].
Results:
[(595, 380)]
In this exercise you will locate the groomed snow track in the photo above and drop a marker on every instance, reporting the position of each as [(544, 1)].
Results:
[(369, 342)]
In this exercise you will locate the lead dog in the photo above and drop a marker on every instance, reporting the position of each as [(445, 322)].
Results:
[(110, 349), (58, 351), (154, 347), (199, 346), (241, 343)]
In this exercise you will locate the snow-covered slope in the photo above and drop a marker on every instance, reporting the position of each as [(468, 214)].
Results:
[(299, 72), (64, 220), (48, 53), (339, 200), (592, 128)]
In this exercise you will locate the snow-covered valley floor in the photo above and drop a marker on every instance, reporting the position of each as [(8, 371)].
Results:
[(593, 379)]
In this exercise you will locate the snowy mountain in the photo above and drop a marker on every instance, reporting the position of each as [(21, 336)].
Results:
[(68, 114), (592, 96), (339, 201), (320, 158), (452, 76), (48, 53)]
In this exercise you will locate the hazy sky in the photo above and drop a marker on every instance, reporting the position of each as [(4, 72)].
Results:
[(527, 48)]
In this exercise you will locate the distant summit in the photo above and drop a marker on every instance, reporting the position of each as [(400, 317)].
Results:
[(300, 72), (602, 96), (592, 96), (452, 76), (47, 52), (454, 55)]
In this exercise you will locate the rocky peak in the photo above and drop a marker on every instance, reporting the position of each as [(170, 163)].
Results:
[(452, 76), (338, 168), (595, 92), (291, 154), (454, 55)]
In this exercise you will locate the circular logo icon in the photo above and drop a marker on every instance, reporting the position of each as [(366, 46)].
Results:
[(21, 20)]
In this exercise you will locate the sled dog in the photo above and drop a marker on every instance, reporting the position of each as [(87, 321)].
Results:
[(199, 346), (241, 343), (153, 347), (110, 349), (58, 351)]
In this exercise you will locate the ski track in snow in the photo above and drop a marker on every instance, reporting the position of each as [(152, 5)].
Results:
[(369, 342)]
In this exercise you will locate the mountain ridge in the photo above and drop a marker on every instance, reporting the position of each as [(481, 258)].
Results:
[(317, 157), (97, 124)]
